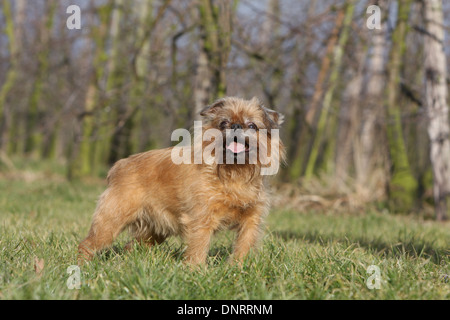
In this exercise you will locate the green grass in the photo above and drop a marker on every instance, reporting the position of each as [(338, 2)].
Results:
[(303, 255)]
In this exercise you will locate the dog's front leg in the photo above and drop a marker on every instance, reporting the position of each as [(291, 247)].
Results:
[(248, 235), (197, 234), (198, 242)]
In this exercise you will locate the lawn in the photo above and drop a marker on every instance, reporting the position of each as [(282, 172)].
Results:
[(304, 255)]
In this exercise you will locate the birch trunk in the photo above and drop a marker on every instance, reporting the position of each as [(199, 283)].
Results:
[(202, 82), (365, 157), (436, 104), (349, 117)]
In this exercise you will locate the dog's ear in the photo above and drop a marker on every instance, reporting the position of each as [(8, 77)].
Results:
[(275, 118), (211, 110)]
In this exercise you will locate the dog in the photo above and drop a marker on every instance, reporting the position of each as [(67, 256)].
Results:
[(156, 198)]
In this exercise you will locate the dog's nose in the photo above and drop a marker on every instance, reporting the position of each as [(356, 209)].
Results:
[(236, 126)]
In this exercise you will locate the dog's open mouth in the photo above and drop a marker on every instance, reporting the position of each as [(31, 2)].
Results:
[(237, 147)]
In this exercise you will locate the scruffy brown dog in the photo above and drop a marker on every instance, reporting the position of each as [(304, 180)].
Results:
[(156, 198)]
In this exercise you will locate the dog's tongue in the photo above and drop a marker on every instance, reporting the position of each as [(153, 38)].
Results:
[(236, 147)]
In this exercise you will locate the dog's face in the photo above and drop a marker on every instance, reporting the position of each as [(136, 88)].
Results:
[(247, 129)]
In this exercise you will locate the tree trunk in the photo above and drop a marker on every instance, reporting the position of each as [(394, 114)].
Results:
[(350, 115), (436, 104), (144, 11), (202, 82), (115, 87), (402, 186), (273, 75), (326, 107), (215, 46), (83, 152), (368, 153), (297, 122), (16, 130), (12, 74), (299, 162), (33, 138)]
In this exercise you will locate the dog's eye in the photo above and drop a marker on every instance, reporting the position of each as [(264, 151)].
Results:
[(252, 126), (224, 123)]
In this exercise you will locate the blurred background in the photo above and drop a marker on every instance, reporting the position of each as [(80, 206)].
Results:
[(366, 108)]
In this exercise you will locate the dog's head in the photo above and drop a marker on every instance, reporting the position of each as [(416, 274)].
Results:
[(248, 132)]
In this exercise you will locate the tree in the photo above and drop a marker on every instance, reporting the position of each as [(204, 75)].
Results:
[(82, 152), (402, 186), (296, 123), (12, 74), (436, 104), (314, 107), (334, 77), (368, 153), (215, 46), (33, 138)]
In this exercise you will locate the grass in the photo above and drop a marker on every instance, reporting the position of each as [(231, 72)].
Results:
[(308, 255)]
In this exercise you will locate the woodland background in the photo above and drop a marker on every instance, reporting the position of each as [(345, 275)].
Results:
[(366, 110)]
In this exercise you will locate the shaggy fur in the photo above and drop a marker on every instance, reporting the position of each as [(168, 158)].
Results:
[(156, 198)]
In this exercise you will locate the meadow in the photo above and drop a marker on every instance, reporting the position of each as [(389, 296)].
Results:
[(304, 255)]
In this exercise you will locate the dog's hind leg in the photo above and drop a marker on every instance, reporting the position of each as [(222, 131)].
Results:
[(110, 218), (144, 235)]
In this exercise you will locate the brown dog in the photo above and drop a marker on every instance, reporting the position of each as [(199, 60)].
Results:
[(156, 198)]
